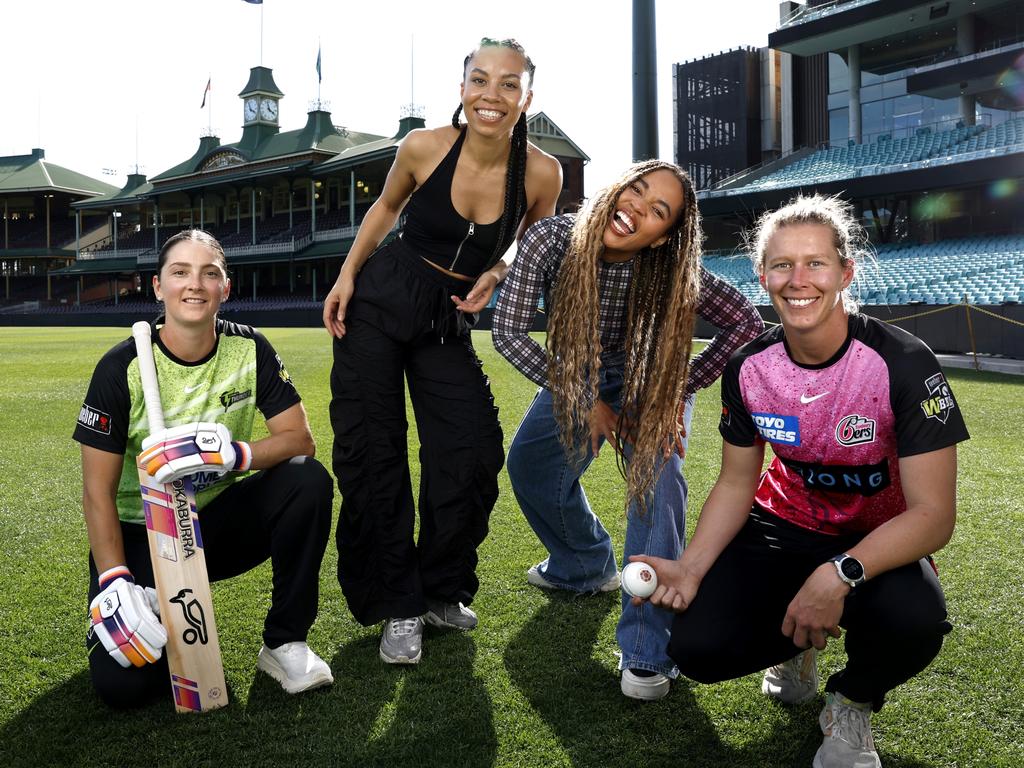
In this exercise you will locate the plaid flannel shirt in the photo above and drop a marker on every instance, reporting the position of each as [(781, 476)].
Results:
[(535, 271)]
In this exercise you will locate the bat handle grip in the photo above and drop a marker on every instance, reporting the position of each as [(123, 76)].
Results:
[(147, 370)]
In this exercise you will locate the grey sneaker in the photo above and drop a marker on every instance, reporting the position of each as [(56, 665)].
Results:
[(848, 742), (794, 681), (449, 615), (533, 577), (402, 641)]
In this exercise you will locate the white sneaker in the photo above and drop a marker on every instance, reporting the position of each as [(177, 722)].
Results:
[(295, 667), (401, 642), (533, 577), (794, 681), (644, 688), (848, 741)]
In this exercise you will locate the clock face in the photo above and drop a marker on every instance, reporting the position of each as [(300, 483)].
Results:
[(250, 109), (268, 109)]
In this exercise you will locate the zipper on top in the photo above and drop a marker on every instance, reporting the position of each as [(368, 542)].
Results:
[(458, 250)]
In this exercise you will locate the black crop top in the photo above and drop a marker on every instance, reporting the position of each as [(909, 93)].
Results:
[(440, 234)]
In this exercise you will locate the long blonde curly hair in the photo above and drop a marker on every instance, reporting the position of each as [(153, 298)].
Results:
[(662, 307)]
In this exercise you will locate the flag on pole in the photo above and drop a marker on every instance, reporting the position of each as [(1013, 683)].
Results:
[(319, 76), (205, 92)]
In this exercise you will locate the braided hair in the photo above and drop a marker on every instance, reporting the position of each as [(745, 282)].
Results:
[(662, 305), (513, 210)]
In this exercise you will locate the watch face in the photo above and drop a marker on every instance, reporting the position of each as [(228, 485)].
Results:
[(852, 569), (250, 109), (268, 109)]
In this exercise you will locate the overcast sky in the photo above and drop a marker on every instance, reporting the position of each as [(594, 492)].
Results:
[(91, 81)]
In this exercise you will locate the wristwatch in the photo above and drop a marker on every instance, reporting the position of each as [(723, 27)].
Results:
[(849, 569)]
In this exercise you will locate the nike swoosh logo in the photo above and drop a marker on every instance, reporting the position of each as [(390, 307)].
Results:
[(805, 399), (190, 390)]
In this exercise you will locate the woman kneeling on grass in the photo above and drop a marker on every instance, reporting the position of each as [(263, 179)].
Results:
[(624, 284), (213, 375), (839, 531)]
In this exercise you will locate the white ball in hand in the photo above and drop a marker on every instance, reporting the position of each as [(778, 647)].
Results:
[(639, 580)]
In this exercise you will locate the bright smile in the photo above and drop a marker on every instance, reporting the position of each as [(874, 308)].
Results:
[(622, 224)]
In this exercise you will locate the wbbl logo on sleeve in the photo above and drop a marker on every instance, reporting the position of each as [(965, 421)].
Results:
[(940, 401)]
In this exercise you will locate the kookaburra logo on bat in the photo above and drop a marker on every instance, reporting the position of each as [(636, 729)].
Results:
[(192, 610)]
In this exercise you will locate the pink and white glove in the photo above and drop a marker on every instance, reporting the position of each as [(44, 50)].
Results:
[(124, 617), (201, 446)]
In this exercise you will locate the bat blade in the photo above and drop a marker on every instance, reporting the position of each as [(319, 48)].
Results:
[(183, 590), (179, 568)]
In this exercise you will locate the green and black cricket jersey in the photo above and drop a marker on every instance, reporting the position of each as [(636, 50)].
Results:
[(241, 374)]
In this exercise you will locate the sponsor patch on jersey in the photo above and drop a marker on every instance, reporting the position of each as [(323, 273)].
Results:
[(855, 429), (865, 479), (232, 396), (94, 419), (784, 430), (726, 417), (940, 400)]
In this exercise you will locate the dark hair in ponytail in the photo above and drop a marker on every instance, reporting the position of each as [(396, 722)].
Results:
[(515, 177)]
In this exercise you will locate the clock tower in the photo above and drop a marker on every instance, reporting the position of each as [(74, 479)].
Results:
[(260, 106)]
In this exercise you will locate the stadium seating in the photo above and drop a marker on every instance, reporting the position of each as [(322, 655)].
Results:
[(887, 155), (985, 270)]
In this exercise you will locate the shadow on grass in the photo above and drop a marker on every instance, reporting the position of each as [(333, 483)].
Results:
[(433, 714), (551, 662)]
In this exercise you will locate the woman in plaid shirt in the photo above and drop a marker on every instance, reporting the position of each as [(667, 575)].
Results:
[(623, 284)]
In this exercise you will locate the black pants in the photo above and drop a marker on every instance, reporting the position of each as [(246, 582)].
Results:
[(401, 324), (894, 623), (282, 513)]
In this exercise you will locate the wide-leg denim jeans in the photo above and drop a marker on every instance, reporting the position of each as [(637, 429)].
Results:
[(546, 482)]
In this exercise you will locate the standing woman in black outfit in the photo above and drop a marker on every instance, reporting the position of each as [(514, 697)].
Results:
[(468, 190)]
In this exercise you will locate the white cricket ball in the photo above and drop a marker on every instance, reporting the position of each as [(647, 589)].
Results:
[(639, 580)]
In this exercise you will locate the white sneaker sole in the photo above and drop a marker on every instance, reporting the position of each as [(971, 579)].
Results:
[(268, 664), (644, 688), (400, 659)]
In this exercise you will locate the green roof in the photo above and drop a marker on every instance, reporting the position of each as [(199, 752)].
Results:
[(133, 192), (318, 135), (31, 173)]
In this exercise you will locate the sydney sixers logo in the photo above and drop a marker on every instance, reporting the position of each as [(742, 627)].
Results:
[(854, 430)]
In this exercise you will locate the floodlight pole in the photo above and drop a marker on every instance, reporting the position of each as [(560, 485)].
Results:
[(645, 81)]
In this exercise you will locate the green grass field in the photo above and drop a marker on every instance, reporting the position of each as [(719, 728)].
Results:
[(535, 684)]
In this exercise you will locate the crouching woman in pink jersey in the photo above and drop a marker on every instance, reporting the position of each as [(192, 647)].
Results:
[(838, 532)]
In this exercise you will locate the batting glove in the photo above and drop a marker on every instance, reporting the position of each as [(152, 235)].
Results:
[(124, 619), (202, 446)]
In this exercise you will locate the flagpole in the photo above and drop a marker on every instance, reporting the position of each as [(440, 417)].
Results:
[(319, 75), (209, 106), (261, 34)]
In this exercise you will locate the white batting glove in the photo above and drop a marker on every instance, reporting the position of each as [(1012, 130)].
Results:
[(123, 619), (201, 446)]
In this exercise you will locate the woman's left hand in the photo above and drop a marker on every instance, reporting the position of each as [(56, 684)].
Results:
[(478, 295)]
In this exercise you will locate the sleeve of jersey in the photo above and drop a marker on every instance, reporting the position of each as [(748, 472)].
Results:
[(735, 425), (928, 417), (103, 418), (517, 304), (275, 392)]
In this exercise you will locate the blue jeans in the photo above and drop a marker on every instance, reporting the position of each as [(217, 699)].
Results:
[(546, 482)]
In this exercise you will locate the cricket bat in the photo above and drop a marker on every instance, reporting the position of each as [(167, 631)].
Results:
[(179, 567)]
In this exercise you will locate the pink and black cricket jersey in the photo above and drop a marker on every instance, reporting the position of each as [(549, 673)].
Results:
[(838, 429)]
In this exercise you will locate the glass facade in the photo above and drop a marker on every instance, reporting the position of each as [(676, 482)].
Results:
[(887, 108)]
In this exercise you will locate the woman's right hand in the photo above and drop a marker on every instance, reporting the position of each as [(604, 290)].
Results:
[(336, 304)]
